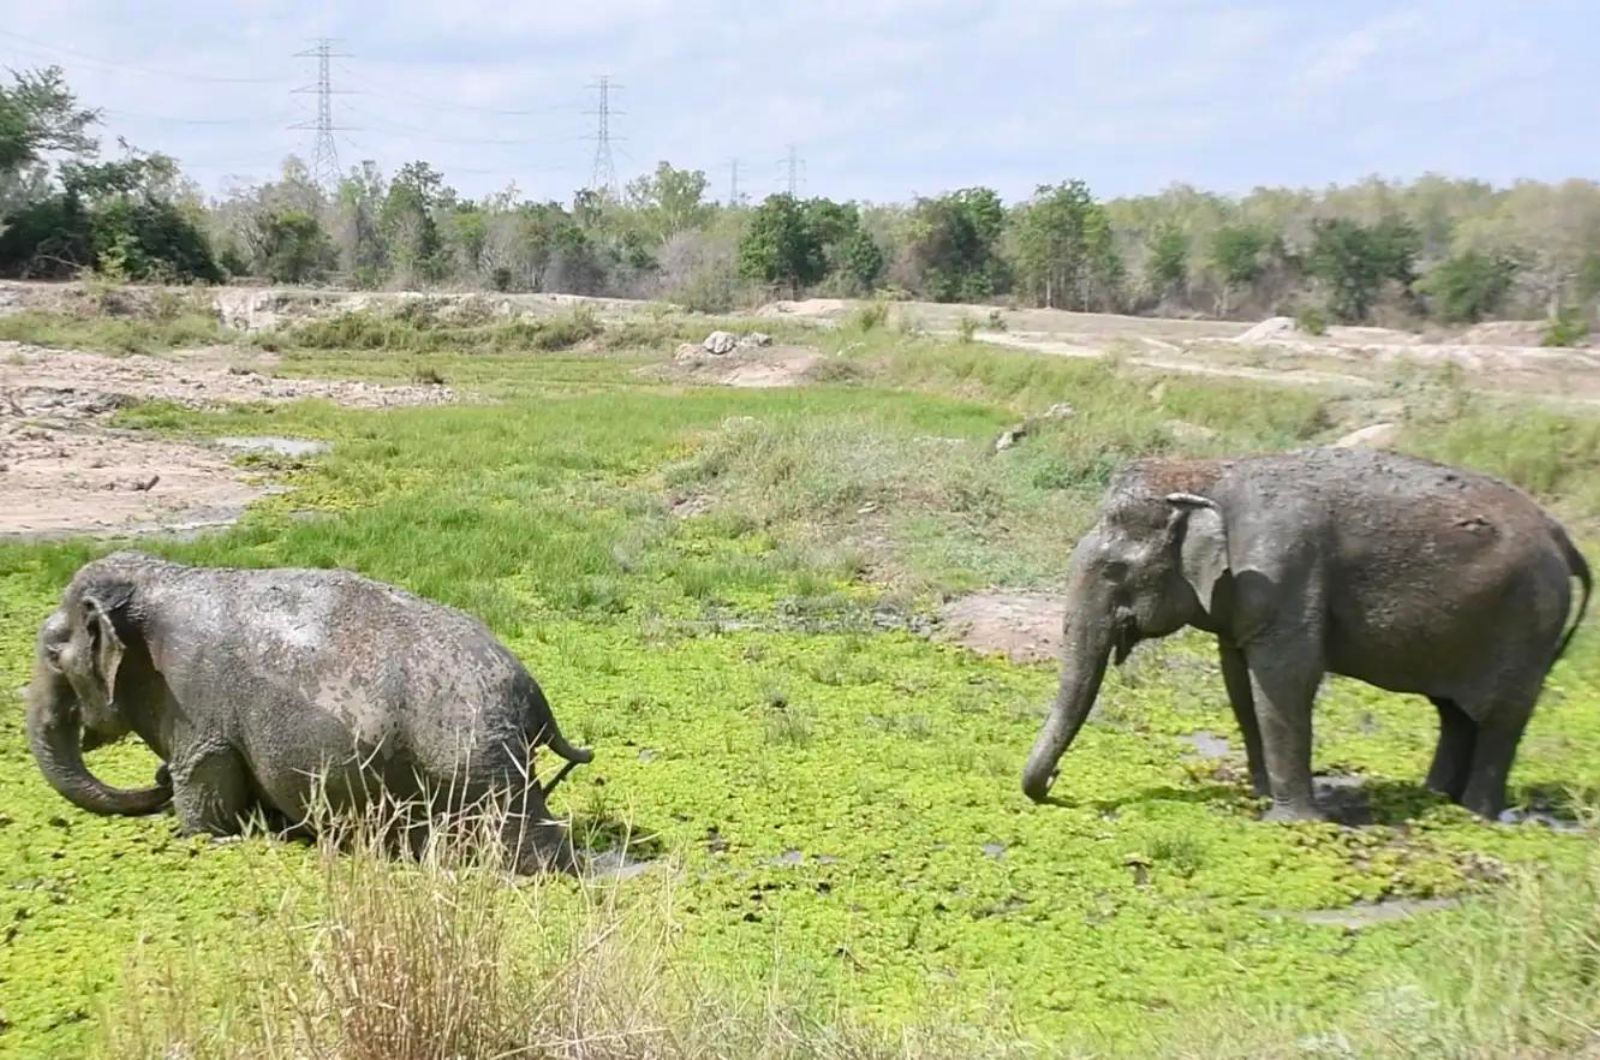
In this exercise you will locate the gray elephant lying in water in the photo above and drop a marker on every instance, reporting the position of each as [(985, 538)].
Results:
[(257, 686), (1406, 574)]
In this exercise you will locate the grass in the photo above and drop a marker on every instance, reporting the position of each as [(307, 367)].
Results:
[(135, 334), (842, 862)]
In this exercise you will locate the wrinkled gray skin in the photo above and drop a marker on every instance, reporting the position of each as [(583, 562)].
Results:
[(251, 684), (1409, 575)]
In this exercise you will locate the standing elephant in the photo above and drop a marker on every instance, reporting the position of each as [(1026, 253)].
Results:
[(1403, 573), (268, 689)]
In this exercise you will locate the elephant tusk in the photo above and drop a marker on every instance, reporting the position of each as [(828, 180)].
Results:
[(1191, 500)]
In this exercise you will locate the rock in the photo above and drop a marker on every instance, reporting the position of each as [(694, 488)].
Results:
[(755, 338), (1059, 411), (1373, 436), (1009, 439), (1271, 328), (1185, 431), (689, 352), (720, 342)]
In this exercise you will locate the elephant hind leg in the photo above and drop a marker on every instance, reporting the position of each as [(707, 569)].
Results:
[(1452, 759), (1499, 732)]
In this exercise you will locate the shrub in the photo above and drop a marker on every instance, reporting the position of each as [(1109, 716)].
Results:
[(1311, 321), (1468, 287), (1567, 328), (870, 316), (966, 328)]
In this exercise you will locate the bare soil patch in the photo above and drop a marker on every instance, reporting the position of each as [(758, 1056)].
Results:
[(64, 471), (57, 481), (1023, 626), (196, 381), (757, 367)]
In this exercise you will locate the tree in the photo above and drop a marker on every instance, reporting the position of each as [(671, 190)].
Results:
[(1468, 287), (363, 252), (861, 261), (291, 247), (1166, 263), (782, 245), (669, 201), (1354, 262), (953, 245), (1064, 249), (1238, 256), (408, 226), (38, 114)]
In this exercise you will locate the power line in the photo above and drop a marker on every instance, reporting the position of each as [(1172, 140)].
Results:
[(435, 103), (325, 153), (603, 177), (129, 68)]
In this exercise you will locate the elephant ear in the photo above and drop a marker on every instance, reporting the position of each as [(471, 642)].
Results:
[(1202, 543), (105, 646)]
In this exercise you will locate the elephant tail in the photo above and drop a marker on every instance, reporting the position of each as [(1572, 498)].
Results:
[(1580, 570), (543, 731)]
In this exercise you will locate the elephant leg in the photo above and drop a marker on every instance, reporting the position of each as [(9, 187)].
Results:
[(1283, 685), (211, 794), (1458, 734), (1499, 733), (1236, 676)]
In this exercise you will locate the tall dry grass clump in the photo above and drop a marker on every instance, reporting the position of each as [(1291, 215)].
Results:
[(431, 950)]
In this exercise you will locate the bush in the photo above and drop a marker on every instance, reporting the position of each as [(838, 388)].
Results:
[(1567, 328), (1311, 321), (1468, 287), (871, 316), (966, 327)]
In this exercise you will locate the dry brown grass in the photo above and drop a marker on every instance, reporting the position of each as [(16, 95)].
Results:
[(442, 955)]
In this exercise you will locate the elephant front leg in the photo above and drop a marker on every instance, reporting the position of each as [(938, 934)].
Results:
[(211, 793), (1236, 676), (1283, 686)]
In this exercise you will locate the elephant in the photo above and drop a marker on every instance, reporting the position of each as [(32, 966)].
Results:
[(286, 691), (1406, 574)]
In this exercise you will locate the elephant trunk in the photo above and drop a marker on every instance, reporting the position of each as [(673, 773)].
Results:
[(1083, 666), (55, 738)]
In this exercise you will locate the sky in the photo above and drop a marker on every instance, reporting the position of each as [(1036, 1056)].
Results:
[(882, 100)]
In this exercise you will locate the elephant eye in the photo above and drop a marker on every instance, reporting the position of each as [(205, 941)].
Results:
[(1116, 570)]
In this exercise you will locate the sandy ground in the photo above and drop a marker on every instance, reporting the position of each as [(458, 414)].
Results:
[(64, 471), (758, 367), (1498, 357), (1024, 627)]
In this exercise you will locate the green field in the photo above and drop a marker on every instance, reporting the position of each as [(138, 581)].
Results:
[(830, 799)]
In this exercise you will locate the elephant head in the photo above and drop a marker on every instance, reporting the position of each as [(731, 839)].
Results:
[(72, 699), (1149, 566)]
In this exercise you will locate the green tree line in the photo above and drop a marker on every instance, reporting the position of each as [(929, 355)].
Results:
[(1437, 248)]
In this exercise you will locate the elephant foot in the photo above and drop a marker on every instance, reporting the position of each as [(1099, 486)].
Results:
[(1289, 812), (1261, 786)]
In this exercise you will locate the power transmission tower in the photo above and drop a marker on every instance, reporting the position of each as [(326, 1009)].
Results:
[(733, 182), (795, 166), (604, 176), (325, 154)]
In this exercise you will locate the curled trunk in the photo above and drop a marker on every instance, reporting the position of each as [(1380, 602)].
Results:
[(56, 744), (1083, 667)]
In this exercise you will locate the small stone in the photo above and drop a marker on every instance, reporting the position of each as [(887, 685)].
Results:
[(1374, 436), (720, 342), (756, 338)]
